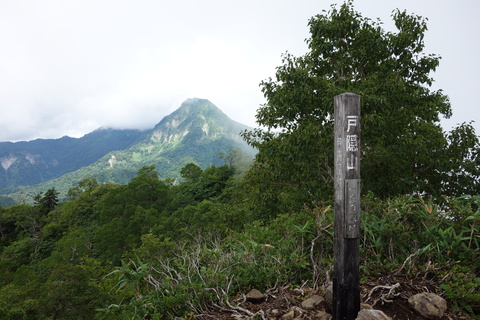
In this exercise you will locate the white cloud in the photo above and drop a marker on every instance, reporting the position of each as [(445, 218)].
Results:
[(68, 67)]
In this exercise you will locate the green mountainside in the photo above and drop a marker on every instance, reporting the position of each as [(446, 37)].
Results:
[(197, 132), (28, 163)]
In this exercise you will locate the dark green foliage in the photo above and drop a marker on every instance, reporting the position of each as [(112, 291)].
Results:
[(70, 293), (462, 288), (46, 203), (191, 173), (404, 149), (8, 227), (199, 185), (398, 238), (413, 226), (156, 249)]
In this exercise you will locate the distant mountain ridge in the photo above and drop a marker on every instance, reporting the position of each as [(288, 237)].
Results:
[(197, 132), (27, 163)]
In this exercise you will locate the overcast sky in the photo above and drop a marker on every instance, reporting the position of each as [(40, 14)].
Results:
[(68, 67)]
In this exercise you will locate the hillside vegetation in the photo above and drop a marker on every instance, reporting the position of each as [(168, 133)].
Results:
[(27, 163), (197, 132), (154, 250)]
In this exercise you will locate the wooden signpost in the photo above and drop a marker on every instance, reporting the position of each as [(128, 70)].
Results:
[(346, 281)]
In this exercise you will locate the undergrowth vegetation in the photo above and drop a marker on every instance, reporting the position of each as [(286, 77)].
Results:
[(406, 235), (159, 250)]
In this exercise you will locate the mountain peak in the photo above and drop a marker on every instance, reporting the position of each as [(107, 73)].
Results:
[(195, 133), (190, 101), (196, 119), (195, 106)]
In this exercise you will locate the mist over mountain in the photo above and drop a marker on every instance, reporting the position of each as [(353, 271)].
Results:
[(197, 132)]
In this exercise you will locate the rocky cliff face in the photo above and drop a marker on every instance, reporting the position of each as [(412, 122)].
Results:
[(7, 161)]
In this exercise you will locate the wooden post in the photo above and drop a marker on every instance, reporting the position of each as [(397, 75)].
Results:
[(346, 281)]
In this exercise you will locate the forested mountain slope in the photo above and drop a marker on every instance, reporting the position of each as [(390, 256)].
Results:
[(27, 163), (197, 132)]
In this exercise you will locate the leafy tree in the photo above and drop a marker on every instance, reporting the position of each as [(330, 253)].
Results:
[(206, 218), (111, 240), (70, 293), (146, 189), (231, 157), (8, 227), (191, 172), (209, 184), (404, 149), (48, 202), (213, 182), (86, 185)]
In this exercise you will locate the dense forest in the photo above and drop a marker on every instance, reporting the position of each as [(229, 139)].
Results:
[(176, 248), (152, 249)]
